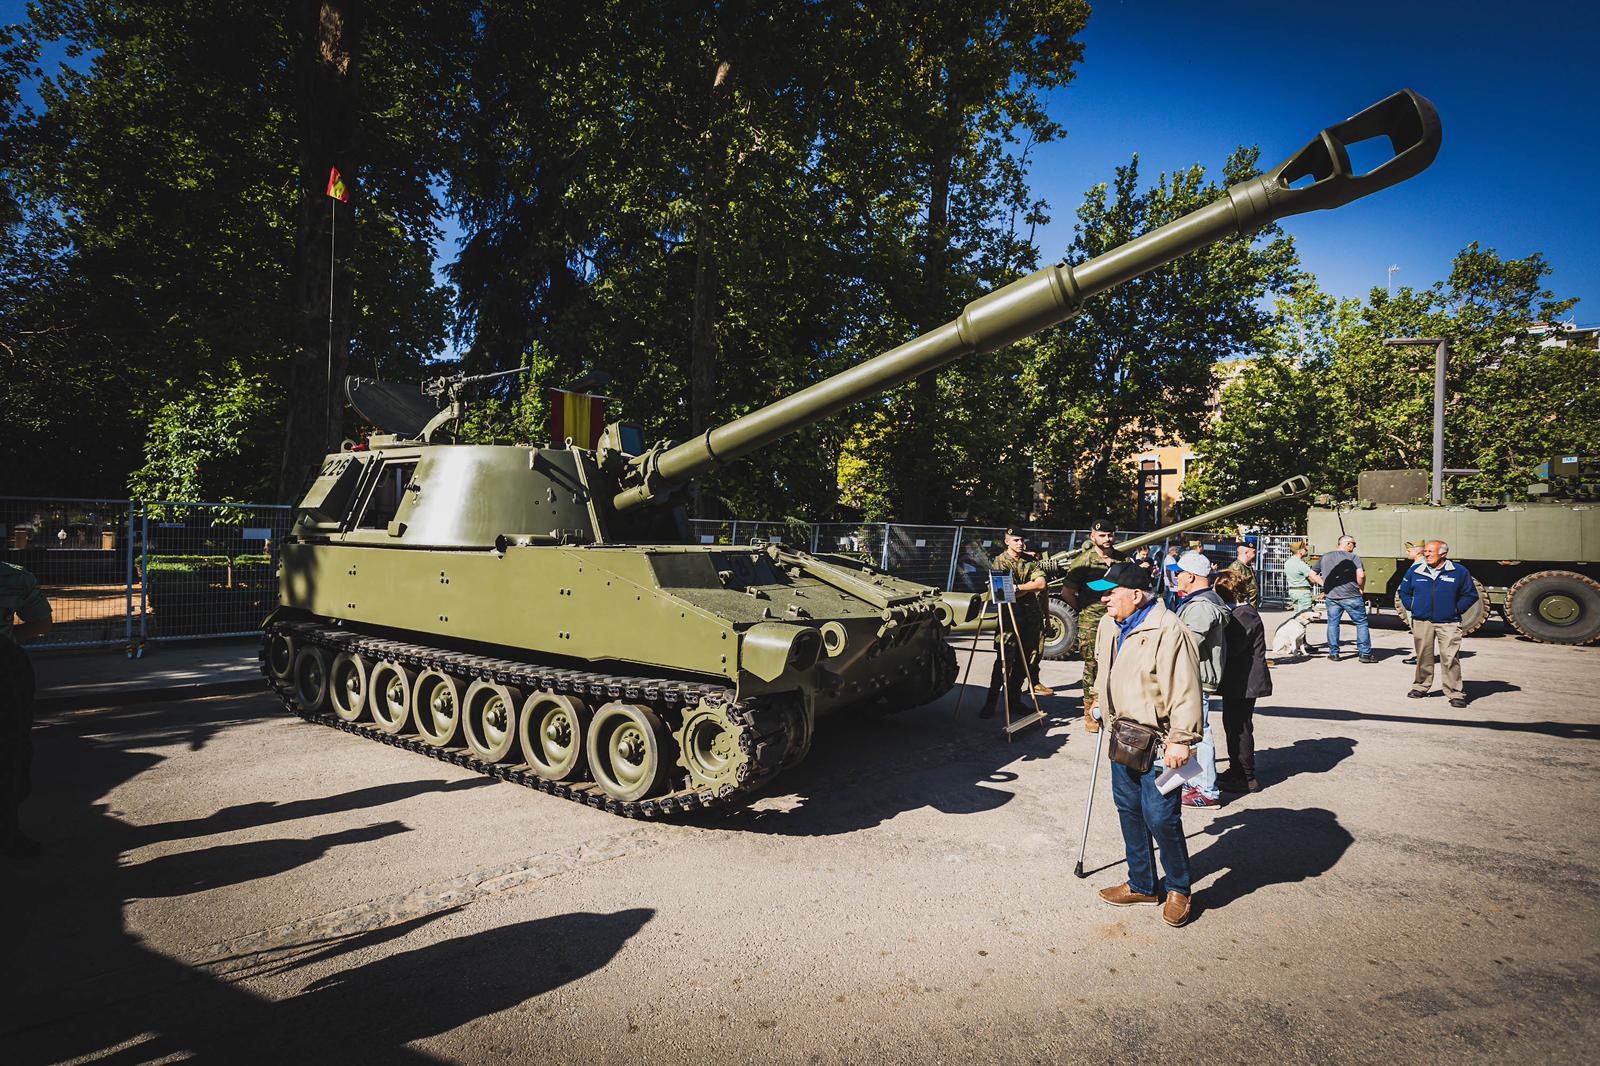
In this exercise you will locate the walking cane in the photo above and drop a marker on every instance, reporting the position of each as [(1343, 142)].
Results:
[(1094, 775)]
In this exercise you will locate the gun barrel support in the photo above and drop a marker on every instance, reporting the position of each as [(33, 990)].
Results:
[(1054, 294)]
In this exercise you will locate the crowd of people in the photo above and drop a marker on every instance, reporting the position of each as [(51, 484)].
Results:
[(1166, 643)]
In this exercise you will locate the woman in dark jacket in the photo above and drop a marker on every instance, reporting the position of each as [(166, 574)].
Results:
[(1244, 680)]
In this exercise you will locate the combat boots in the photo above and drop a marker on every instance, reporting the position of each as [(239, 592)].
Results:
[(1090, 723)]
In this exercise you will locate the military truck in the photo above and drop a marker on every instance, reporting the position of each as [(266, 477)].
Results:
[(1536, 559), (541, 614)]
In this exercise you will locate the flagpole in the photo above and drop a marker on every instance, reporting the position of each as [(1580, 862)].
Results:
[(333, 234)]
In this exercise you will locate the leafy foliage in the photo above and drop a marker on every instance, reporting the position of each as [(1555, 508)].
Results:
[(1135, 367), (1328, 398)]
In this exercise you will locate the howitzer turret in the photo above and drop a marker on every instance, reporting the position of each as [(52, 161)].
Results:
[(541, 613)]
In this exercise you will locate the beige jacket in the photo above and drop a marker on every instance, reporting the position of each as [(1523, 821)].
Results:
[(1154, 679)]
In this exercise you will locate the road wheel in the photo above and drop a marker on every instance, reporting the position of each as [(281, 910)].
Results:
[(628, 751), (280, 657), (389, 693), (552, 729), (1556, 607), (1471, 622), (311, 678), (1060, 629), (347, 686), (436, 704), (491, 720)]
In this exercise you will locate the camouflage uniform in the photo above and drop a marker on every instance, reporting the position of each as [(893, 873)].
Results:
[(19, 596), (1248, 593), (1081, 567), (1029, 612)]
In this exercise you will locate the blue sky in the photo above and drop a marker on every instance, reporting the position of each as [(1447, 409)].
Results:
[(1516, 88), (1182, 83)]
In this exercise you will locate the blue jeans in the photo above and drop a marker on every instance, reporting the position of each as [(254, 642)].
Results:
[(1146, 814), (1357, 610), (1206, 752)]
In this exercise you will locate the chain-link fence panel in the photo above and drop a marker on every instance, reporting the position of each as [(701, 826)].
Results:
[(711, 531), (1272, 552), (852, 538), (924, 554), (79, 550), (207, 569), (791, 534)]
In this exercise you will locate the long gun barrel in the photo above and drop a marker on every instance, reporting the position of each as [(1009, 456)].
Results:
[(1316, 177), (1298, 485)]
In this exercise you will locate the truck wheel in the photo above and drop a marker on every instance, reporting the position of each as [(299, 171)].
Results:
[(1060, 629), (1556, 607), (1471, 622)]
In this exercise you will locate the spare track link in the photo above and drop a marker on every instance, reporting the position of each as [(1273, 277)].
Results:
[(762, 733)]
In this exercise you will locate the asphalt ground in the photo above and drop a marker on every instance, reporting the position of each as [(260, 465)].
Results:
[(1413, 884)]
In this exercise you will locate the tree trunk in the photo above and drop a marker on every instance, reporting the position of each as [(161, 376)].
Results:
[(921, 476), (327, 39)]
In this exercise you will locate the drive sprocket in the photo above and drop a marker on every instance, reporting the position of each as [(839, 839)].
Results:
[(714, 748)]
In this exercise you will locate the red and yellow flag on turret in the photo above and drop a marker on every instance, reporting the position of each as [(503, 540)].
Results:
[(576, 416), (336, 187)]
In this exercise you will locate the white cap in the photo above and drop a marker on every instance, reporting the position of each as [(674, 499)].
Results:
[(1195, 563)]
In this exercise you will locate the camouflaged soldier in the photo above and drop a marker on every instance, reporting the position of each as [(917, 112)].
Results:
[(19, 597), (1080, 567), (1244, 564), (1028, 575)]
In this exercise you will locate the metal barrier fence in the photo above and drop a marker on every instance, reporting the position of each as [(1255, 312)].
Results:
[(1272, 553), (121, 572)]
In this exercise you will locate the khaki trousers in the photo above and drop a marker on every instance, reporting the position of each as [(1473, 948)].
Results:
[(1448, 634)]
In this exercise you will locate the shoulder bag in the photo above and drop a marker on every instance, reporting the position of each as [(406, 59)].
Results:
[(1133, 744)]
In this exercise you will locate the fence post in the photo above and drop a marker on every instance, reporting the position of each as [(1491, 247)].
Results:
[(144, 570), (955, 555), (885, 563), (127, 614), (733, 538), (815, 536)]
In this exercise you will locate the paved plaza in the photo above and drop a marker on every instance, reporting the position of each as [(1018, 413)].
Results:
[(1413, 884)]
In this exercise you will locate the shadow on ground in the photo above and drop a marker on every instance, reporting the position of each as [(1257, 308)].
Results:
[(1274, 766), (1564, 730), (865, 769), (86, 986), (1265, 846)]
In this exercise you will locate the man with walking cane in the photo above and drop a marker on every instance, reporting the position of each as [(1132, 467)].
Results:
[(1148, 689)]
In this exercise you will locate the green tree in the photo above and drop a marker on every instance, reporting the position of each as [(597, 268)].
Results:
[(176, 225), (1327, 397), (931, 151), (206, 442), (1272, 409), (1134, 368)]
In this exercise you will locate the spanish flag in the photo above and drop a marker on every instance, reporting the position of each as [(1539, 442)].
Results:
[(336, 187), (578, 416)]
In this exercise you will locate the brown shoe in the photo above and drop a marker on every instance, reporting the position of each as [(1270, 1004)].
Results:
[(1123, 896), (1043, 690), (1175, 911)]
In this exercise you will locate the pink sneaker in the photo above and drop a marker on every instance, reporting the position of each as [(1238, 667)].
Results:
[(1193, 797)]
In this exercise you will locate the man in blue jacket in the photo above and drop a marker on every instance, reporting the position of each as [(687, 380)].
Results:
[(1436, 592)]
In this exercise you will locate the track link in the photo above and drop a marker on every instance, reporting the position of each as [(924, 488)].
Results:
[(762, 733)]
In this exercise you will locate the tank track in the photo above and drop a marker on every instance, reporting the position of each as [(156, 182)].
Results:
[(764, 733)]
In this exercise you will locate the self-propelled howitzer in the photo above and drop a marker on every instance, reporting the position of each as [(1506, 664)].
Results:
[(542, 615)]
